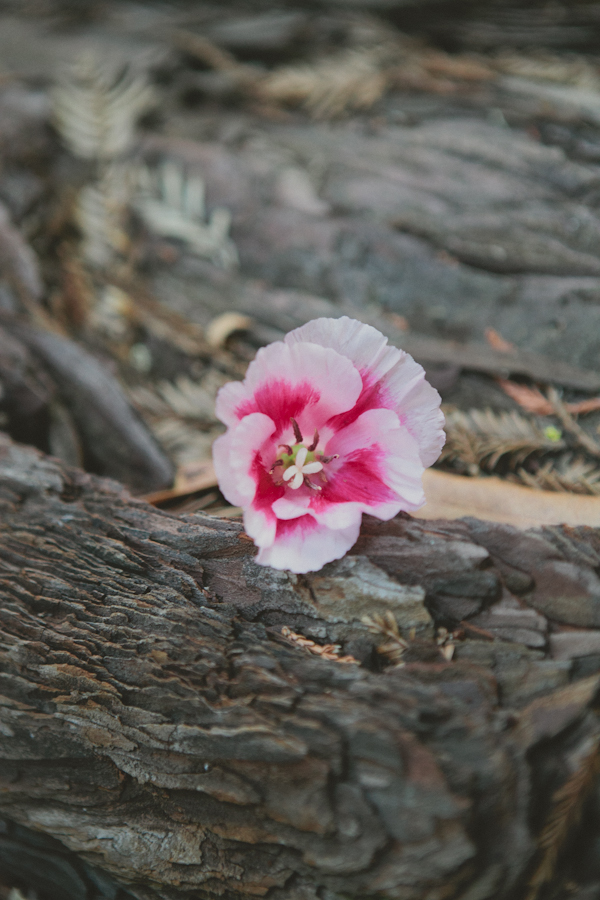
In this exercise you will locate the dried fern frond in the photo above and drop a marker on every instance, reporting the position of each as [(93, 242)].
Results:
[(394, 645), (191, 399), (480, 438), (544, 66), (575, 476), (95, 107), (100, 213), (183, 442), (171, 204), (325, 651), (112, 313), (353, 80), (567, 806)]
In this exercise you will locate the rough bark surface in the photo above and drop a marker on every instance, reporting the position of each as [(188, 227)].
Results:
[(155, 721)]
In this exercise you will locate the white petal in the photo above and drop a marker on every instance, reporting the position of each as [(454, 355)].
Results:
[(289, 473), (297, 481), (301, 457), (260, 525), (308, 546), (312, 467), (291, 506)]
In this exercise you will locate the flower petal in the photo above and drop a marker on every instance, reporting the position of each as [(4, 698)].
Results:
[(228, 399), (221, 451), (379, 471), (302, 545), (289, 473), (247, 439), (297, 481), (392, 379), (307, 382)]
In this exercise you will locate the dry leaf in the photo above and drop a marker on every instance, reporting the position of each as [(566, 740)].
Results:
[(222, 327), (454, 496), (497, 342), (533, 401)]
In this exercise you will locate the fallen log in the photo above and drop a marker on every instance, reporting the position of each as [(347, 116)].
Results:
[(177, 721)]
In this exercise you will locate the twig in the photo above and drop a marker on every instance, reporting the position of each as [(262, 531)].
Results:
[(570, 425)]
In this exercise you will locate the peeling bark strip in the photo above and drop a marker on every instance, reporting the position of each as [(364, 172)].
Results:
[(156, 722)]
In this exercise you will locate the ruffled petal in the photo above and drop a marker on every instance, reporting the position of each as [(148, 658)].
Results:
[(229, 397), (306, 382), (303, 545), (221, 453), (247, 440), (379, 471), (392, 379)]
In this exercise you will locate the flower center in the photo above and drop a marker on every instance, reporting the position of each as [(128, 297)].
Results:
[(297, 462)]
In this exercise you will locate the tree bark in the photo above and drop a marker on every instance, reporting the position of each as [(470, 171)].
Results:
[(156, 722)]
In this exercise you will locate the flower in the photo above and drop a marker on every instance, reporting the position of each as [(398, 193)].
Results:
[(328, 424)]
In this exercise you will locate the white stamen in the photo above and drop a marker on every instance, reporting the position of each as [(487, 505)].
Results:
[(295, 474), (301, 457)]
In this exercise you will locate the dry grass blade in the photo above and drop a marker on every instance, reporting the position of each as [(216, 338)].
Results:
[(325, 651), (394, 645), (95, 107), (567, 474), (567, 806), (480, 438)]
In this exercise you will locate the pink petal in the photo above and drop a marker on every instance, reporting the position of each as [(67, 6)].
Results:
[(247, 440), (379, 471), (307, 382), (302, 545), (221, 452), (392, 379), (229, 398), (241, 473)]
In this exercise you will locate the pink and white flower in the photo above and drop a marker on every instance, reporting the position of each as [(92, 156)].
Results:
[(328, 424)]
